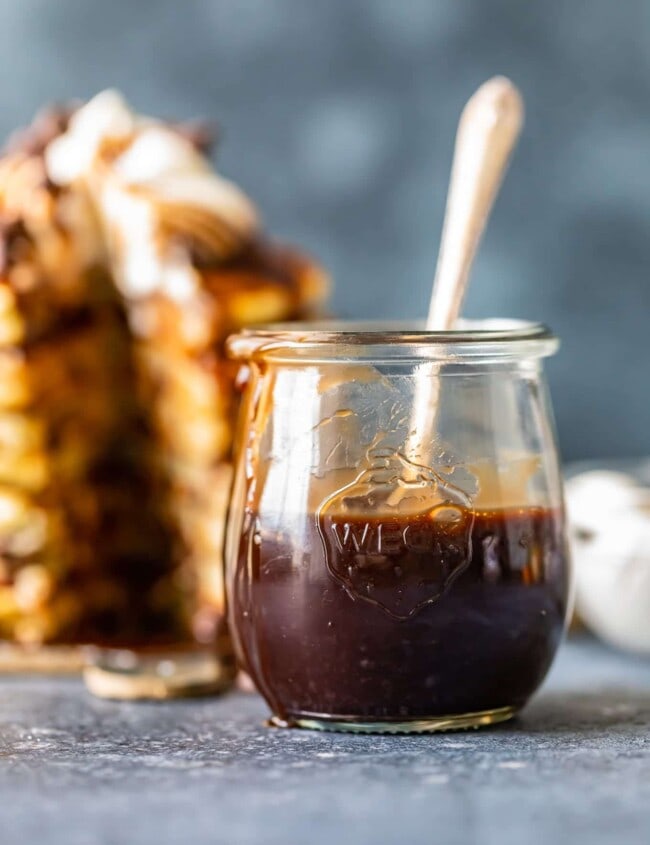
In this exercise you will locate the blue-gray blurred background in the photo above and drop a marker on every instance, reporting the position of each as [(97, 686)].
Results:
[(338, 116)]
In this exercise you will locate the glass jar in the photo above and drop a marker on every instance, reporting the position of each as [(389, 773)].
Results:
[(396, 554)]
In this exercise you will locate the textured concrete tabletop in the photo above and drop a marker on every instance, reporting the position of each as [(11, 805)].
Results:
[(574, 767)]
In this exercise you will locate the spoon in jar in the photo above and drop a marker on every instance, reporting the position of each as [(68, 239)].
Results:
[(487, 132)]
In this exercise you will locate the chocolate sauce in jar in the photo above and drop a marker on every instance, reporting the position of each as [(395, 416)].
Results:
[(391, 618)]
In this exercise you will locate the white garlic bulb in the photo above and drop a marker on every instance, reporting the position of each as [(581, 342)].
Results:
[(609, 518)]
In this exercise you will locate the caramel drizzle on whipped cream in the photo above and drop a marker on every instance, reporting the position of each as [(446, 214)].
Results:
[(158, 199)]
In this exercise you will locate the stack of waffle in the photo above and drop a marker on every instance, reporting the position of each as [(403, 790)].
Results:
[(126, 261)]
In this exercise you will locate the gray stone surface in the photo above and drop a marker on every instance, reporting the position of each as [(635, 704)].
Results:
[(574, 767)]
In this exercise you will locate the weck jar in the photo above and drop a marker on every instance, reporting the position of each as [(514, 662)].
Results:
[(396, 554)]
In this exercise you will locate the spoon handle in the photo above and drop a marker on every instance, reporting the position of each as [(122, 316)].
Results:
[(488, 129)]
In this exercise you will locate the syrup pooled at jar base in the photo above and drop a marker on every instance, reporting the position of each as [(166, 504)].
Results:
[(394, 622)]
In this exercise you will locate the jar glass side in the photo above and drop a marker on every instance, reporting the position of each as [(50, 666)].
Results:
[(368, 564)]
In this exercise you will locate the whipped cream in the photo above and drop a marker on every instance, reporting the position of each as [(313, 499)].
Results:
[(609, 517), (155, 194), (72, 155)]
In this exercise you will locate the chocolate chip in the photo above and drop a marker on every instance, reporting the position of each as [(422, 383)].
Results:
[(14, 237)]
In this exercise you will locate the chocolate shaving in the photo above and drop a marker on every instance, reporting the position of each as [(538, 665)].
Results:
[(202, 134), (47, 125)]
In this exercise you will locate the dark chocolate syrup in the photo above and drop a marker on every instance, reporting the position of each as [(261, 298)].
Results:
[(400, 617)]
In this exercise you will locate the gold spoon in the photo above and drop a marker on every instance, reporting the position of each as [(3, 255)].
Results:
[(487, 132)]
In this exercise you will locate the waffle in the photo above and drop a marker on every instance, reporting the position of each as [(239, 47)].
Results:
[(125, 261)]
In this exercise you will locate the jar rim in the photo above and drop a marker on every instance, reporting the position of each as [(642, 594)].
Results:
[(341, 339)]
